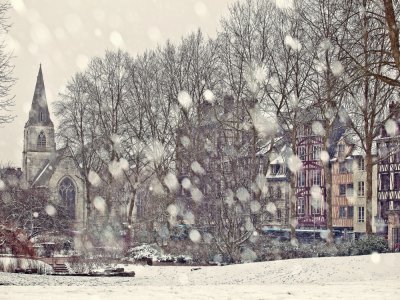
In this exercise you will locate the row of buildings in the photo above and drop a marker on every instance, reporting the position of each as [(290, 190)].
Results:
[(349, 184), (231, 165)]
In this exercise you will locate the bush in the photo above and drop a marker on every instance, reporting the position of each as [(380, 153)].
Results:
[(370, 244)]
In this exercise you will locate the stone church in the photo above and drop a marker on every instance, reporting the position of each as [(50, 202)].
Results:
[(46, 166)]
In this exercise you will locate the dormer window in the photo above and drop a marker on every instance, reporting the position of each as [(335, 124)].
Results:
[(42, 117), (341, 149), (41, 142), (275, 169)]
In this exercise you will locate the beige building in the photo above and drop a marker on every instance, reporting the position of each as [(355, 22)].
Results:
[(45, 166), (349, 188)]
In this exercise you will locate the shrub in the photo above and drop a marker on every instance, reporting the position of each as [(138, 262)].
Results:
[(370, 244)]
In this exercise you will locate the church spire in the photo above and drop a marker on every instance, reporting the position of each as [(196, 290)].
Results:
[(39, 113)]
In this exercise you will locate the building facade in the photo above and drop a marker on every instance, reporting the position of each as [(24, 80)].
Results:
[(349, 188), (45, 166), (311, 211), (278, 193), (388, 206)]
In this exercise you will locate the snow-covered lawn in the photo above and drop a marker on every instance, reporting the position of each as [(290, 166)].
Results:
[(364, 277)]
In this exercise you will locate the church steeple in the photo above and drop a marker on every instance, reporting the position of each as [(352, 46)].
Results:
[(39, 142), (39, 113)]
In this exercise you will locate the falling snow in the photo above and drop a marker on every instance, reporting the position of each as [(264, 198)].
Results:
[(185, 100)]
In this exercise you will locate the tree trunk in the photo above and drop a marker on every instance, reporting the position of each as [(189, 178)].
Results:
[(393, 31), (368, 199), (131, 206), (88, 198), (293, 196), (328, 193)]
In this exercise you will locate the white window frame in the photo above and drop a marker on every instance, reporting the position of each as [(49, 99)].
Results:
[(302, 152), (361, 189), (316, 152), (301, 208), (361, 214), (301, 178), (361, 164), (316, 177)]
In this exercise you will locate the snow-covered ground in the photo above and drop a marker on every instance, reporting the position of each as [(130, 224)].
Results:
[(365, 277)]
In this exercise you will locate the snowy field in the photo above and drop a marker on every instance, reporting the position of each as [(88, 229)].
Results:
[(365, 277)]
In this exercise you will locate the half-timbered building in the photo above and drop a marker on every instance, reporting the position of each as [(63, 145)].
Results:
[(311, 211), (388, 145)]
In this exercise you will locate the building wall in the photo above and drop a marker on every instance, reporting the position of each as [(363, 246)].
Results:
[(276, 213), (67, 168), (349, 175), (388, 176), (342, 203), (314, 212), (34, 158), (343, 189)]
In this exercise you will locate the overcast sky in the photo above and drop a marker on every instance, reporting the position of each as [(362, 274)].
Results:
[(64, 34)]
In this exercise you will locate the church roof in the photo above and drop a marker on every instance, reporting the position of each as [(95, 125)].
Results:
[(39, 104), (50, 166)]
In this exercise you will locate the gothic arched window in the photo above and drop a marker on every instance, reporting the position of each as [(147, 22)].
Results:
[(41, 142), (67, 193), (42, 116)]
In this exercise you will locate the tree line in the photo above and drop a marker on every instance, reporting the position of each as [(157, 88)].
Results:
[(125, 117)]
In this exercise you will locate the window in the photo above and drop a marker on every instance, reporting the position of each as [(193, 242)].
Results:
[(66, 191), (397, 157), (360, 189), (385, 153), (346, 166), (301, 206), (396, 183), (41, 142), (385, 182), (275, 169), (316, 206), (342, 212), (305, 130), (361, 164), (342, 190), (301, 178), (349, 190), (343, 167), (279, 213), (316, 177), (349, 165), (42, 117), (270, 191), (316, 153), (361, 216), (341, 149), (301, 152), (350, 212)]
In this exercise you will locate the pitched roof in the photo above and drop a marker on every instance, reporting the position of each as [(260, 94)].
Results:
[(49, 168), (39, 103)]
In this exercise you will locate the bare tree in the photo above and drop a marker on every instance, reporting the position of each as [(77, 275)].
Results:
[(77, 130), (368, 96), (6, 68)]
